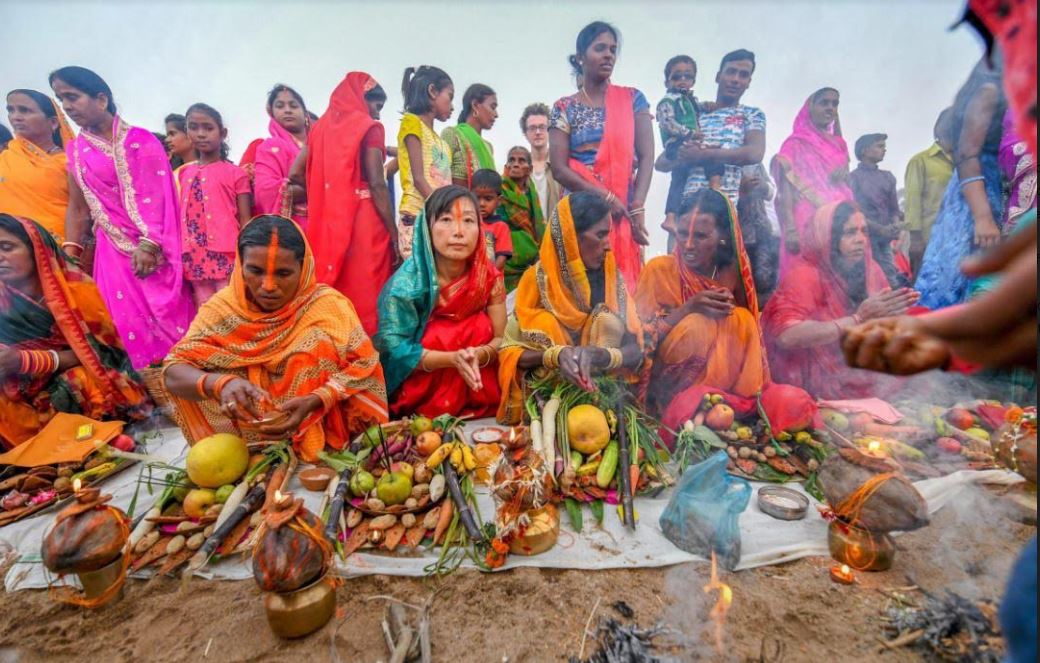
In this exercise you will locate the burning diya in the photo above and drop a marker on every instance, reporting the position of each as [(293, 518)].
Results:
[(842, 574), (87, 539)]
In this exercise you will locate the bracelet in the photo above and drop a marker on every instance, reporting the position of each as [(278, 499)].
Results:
[(219, 385), (616, 359), (38, 363), (200, 386), (490, 355), (149, 246), (551, 357), (610, 198), (72, 245), (422, 362), (326, 396), (977, 178), (636, 211)]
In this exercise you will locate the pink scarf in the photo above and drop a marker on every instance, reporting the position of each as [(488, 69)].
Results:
[(274, 158)]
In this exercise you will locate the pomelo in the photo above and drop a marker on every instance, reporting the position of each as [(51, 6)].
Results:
[(587, 429), (217, 460)]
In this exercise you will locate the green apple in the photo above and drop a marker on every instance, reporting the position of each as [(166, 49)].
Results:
[(371, 437), (394, 488), (420, 425), (224, 492), (362, 483)]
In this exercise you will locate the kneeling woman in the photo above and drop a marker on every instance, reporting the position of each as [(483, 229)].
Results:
[(573, 313), (276, 338), (59, 351), (701, 308), (442, 314)]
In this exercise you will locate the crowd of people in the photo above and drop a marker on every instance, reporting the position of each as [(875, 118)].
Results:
[(328, 281)]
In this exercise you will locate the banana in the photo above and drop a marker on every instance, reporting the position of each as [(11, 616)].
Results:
[(469, 459), (439, 456)]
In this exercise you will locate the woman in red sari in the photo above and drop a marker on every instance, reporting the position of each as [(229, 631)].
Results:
[(833, 285), (351, 221), (602, 140), (442, 315)]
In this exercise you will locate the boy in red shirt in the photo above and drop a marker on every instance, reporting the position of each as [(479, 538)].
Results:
[(487, 187)]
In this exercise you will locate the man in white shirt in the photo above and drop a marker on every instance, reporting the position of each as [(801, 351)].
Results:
[(534, 122)]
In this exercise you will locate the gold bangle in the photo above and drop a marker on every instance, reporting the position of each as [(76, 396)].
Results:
[(616, 359), (422, 361), (490, 355), (149, 246), (551, 357)]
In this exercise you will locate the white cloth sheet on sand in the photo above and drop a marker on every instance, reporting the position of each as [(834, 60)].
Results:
[(764, 540)]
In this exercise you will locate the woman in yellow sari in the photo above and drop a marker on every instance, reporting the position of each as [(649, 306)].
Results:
[(573, 313), (33, 181), (275, 354), (700, 307)]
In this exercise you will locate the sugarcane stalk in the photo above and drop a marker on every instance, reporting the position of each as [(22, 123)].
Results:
[(336, 507), (253, 499), (624, 460), (461, 505)]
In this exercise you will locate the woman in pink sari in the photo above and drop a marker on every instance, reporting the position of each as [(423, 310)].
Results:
[(120, 182), (272, 191), (811, 170)]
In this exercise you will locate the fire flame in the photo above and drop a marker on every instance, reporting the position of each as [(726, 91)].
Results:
[(722, 603), (874, 447), (76, 485), (278, 496), (845, 570)]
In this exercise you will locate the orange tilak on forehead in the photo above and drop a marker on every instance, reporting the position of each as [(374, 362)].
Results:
[(693, 222), (272, 254), (456, 213)]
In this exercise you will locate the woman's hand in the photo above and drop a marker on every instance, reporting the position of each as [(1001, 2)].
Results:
[(144, 262), (298, 410), (900, 346), (240, 399), (467, 363), (713, 303), (987, 233), (887, 303), (639, 232), (10, 362), (578, 364)]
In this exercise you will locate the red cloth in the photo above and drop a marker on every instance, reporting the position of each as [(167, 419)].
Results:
[(351, 245), (813, 290), (788, 408), (613, 168), (249, 156), (498, 235)]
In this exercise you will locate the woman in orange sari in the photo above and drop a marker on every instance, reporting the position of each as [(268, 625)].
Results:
[(59, 351), (701, 308), (442, 314), (573, 313), (33, 182), (276, 339)]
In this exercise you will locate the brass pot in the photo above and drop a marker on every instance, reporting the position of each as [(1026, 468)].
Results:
[(540, 535), (859, 548), (302, 611), (96, 583)]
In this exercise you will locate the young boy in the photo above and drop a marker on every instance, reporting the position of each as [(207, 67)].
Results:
[(487, 187), (875, 192), (677, 118)]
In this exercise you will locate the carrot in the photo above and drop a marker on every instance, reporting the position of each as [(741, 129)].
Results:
[(443, 520), (274, 483), (152, 554), (393, 536), (356, 539), (633, 473), (414, 536)]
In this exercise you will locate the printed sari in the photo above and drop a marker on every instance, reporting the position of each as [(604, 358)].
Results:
[(469, 152), (522, 212), (315, 342), (274, 159), (554, 307), (814, 290), (71, 316), (723, 353), (34, 184), (417, 314), (815, 164), (129, 189), (352, 251)]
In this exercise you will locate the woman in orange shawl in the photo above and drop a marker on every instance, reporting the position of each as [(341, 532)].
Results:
[(59, 351), (573, 312), (351, 221), (701, 308), (33, 182), (442, 313), (276, 338)]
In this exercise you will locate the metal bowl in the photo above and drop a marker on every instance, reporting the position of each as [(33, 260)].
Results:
[(782, 503), (303, 611)]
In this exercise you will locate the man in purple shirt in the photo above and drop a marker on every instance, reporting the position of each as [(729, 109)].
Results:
[(875, 192)]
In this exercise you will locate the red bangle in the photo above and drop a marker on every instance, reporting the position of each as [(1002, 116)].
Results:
[(200, 386), (219, 385)]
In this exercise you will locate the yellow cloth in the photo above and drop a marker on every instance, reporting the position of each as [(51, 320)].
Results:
[(436, 162), (57, 442), (553, 307), (927, 176), (35, 185)]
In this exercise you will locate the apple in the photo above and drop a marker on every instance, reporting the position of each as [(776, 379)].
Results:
[(427, 442), (405, 468), (224, 492), (198, 500), (394, 488), (719, 417), (420, 425), (948, 445), (123, 443), (362, 483), (372, 437)]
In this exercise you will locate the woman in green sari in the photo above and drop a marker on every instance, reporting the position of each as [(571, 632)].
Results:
[(522, 212), (469, 151)]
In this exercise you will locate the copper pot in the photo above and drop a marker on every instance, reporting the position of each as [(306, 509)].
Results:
[(540, 534), (96, 583), (303, 611), (859, 548)]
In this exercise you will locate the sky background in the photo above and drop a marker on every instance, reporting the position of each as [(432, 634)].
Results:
[(897, 64)]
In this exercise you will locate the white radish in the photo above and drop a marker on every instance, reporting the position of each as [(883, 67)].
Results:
[(536, 435), (232, 502), (549, 433), (437, 486), (144, 527)]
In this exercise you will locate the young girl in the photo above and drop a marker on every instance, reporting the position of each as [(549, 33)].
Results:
[(215, 203), (424, 157), (275, 156)]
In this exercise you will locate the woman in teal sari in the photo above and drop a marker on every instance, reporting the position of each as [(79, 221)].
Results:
[(442, 315), (522, 212), (469, 151)]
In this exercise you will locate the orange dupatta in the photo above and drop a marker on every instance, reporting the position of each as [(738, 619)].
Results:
[(553, 307), (314, 342)]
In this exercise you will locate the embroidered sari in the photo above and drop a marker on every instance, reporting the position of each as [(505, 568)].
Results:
[(129, 189), (813, 290), (34, 184), (314, 342), (71, 316), (274, 159), (352, 251), (522, 212), (416, 314), (554, 307), (724, 353), (815, 164)]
